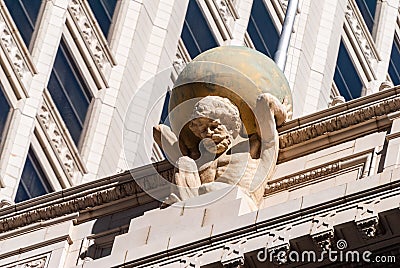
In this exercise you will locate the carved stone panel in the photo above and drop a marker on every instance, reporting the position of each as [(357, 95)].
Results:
[(58, 141), (38, 262), (322, 231), (191, 261), (12, 49), (278, 245), (90, 34), (367, 219), (233, 256)]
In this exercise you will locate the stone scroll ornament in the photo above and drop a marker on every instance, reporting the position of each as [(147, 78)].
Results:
[(223, 112)]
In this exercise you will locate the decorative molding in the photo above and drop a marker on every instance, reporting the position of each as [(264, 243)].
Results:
[(156, 153), (278, 245), (360, 162), (9, 43), (179, 63), (182, 58), (288, 181), (232, 8), (191, 261), (284, 4), (367, 219), (14, 48), (337, 100), (223, 9), (40, 262), (361, 33), (88, 200), (227, 10), (6, 203), (222, 15), (338, 122), (280, 7), (386, 85), (322, 231), (91, 34), (247, 41), (57, 139), (233, 255)]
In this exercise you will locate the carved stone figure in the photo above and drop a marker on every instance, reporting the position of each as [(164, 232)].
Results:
[(225, 139)]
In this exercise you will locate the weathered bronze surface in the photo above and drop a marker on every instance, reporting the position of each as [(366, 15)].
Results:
[(238, 73)]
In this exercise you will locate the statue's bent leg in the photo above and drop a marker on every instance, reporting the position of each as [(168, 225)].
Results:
[(187, 178)]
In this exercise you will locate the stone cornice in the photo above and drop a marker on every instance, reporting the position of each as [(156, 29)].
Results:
[(83, 197), (340, 122), (344, 122)]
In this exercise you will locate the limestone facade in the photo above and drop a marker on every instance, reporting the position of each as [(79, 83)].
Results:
[(337, 174)]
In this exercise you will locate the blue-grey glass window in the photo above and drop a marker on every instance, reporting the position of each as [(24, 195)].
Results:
[(346, 77), (103, 11), (69, 91), (261, 29), (394, 65), (196, 33), (33, 180), (4, 109), (24, 13), (164, 113), (367, 8)]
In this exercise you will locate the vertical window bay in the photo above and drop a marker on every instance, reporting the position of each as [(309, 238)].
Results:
[(33, 181), (25, 14), (69, 91)]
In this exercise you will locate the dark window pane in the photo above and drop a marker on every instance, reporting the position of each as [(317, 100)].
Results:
[(367, 8), (103, 11), (394, 65), (164, 114), (24, 13), (196, 34), (4, 109), (346, 77), (261, 29), (33, 180), (69, 92)]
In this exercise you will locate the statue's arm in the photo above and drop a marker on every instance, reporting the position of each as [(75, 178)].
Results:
[(168, 142), (269, 113)]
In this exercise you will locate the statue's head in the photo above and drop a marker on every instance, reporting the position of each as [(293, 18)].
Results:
[(216, 121)]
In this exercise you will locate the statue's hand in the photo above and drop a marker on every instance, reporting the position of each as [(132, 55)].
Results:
[(288, 108), (167, 141), (162, 134), (278, 109)]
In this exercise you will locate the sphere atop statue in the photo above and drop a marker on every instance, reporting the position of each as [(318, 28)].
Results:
[(238, 73)]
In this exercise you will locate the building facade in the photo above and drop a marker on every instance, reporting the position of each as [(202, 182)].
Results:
[(83, 82)]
